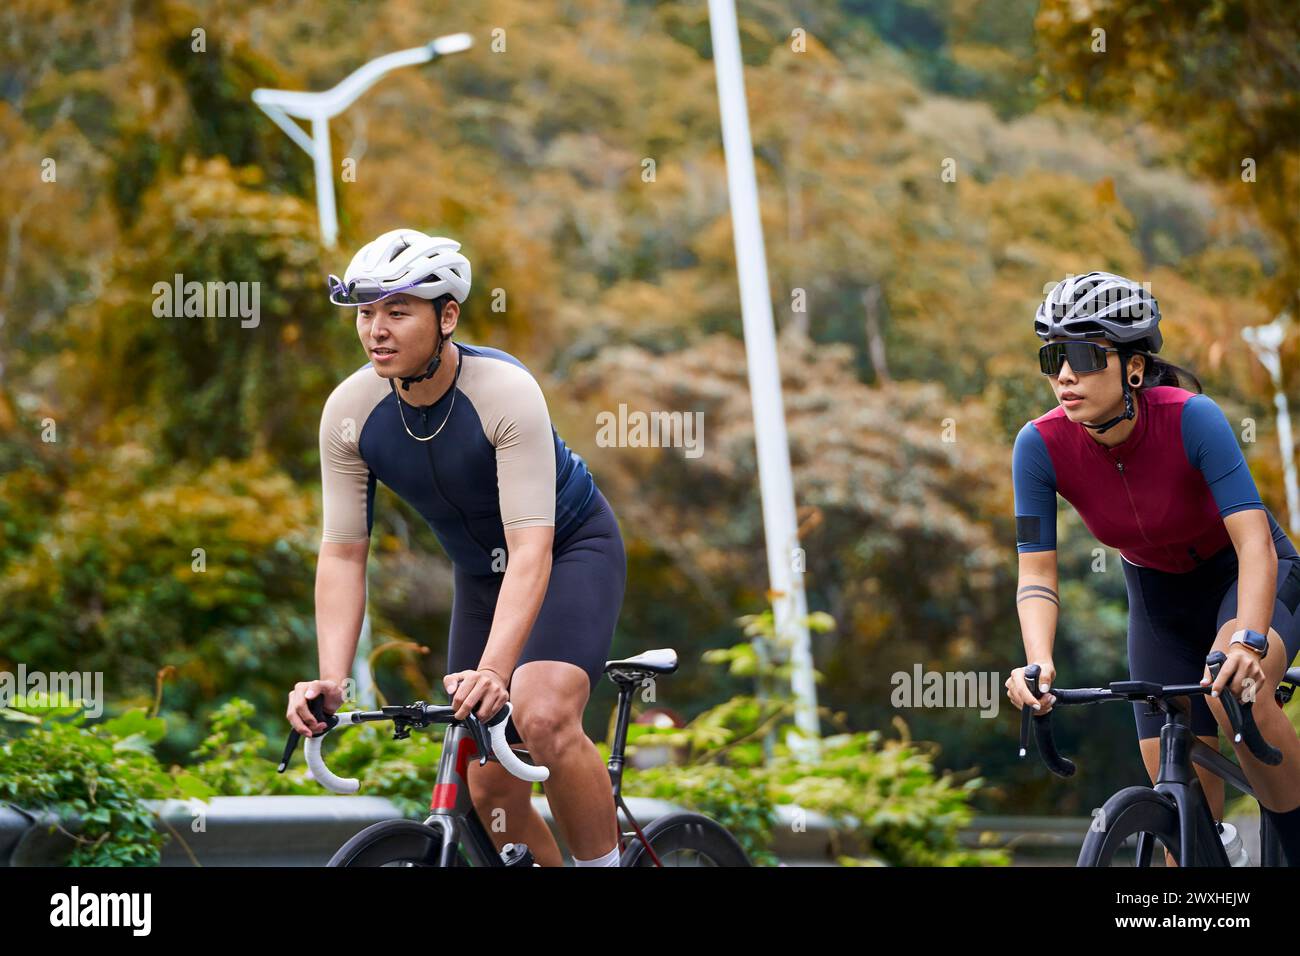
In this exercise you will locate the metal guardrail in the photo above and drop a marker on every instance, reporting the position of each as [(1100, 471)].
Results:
[(244, 831), (306, 830)]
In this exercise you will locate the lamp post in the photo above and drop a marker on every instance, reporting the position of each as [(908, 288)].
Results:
[(776, 485), (1266, 341), (319, 108)]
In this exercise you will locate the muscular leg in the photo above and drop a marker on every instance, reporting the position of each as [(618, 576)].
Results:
[(549, 698), (503, 804), (1278, 788)]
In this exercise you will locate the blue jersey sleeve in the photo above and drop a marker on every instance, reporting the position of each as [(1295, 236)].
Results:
[(1034, 481), (1212, 449)]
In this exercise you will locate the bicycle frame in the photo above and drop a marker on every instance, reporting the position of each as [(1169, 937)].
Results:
[(1198, 837), (1176, 780), (615, 767), (451, 807)]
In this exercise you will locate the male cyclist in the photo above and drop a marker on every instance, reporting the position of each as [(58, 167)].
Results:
[(539, 566), (1155, 471)]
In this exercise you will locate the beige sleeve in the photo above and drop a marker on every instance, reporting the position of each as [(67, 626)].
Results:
[(344, 477), (515, 420)]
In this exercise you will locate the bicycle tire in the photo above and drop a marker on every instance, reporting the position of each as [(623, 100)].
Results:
[(1129, 812), (685, 839), (391, 843)]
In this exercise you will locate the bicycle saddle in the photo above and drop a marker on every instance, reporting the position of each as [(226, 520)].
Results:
[(662, 660)]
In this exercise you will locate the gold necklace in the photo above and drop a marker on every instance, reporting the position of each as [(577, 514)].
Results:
[(402, 415)]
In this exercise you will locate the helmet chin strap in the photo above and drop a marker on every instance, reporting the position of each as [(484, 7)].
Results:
[(434, 363), (1128, 413)]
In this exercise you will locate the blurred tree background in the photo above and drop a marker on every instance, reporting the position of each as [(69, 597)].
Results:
[(159, 495)]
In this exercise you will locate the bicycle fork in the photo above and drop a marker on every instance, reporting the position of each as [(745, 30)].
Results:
[(1198, 837)]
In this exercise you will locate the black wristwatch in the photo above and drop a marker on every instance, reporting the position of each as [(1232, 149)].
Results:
[(1256, 641)]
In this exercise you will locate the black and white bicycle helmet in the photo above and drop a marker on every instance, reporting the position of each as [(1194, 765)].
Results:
[(1101, 304)]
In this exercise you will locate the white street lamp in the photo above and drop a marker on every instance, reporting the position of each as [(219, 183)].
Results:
[(1266, 341), (776, 486), (280, 105)]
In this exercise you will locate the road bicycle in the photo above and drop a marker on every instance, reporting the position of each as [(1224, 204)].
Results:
[(453, 834), (1174, 811)]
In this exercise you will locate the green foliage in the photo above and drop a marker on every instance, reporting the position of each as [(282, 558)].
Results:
[(224, 384), (885, 796), (231, 760), (736, 797), (98, 777), (182, 432), (114, 583), (890, 794), (95, 778)]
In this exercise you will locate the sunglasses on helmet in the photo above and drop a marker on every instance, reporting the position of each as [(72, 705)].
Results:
[(1083, 357), (363, 291)]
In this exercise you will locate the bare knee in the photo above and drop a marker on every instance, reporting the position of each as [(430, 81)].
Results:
[(550, 731)]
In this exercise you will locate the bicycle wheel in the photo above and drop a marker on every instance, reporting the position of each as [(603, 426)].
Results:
[(685, 839), (1131, 812), (391, 843)]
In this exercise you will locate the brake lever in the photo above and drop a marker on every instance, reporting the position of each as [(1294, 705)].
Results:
[(1032, 673), (1241, 716), (1042, 723), (317, 707), (480, 735)]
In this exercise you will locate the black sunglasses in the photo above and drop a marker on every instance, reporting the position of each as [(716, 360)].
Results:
[(1083, 357)]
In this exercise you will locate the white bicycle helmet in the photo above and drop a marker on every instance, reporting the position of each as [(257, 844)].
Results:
[(1101, 303), (403, 260)]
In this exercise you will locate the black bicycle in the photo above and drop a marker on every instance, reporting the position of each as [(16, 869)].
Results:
[(1174, 811), (453, 834)]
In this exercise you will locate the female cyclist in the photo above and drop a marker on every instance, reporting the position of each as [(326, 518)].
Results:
[(1155, 471)]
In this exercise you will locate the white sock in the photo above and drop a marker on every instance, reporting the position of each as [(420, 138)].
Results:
[(609, 859)]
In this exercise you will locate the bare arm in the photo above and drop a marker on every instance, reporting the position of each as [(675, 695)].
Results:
[(1257, 568), (340, 605), (528, 571), (1256, 594), (1038, 605)]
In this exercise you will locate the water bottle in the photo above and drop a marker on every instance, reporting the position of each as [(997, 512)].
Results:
[(1233, 846), (517, 854)]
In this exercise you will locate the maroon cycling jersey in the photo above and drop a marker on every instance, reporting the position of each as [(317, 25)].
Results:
[(1159, 496)]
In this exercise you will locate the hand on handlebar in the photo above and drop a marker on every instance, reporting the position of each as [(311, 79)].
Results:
[(481, 691), (299, 711), (1242, 672), (1019, 694)]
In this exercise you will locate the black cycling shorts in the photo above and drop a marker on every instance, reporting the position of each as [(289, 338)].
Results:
[(1174, 618), (578, 615)]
